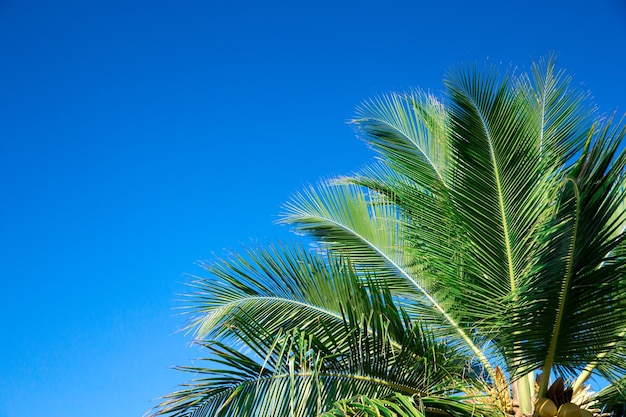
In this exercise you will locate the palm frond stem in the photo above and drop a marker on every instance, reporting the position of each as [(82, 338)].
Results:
[(547, 367)]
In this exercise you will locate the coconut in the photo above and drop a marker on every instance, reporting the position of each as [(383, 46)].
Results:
[(585, 413), (545, 407), (569, 410)]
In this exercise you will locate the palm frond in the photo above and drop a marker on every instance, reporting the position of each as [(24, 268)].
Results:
[(408, 130), (431, 239), (297, 371), (557, 115), (399, 405), (612, 399), (492, 231), (371, 232), (277, 285), (577, 269), (499, 186)]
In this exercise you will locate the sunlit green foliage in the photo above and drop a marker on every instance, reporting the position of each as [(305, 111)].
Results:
[(484, 247)]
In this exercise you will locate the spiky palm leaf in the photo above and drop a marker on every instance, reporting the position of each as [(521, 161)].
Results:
[(302, 371)]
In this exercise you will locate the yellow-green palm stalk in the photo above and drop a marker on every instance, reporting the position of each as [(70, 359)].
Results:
[(480, 258)]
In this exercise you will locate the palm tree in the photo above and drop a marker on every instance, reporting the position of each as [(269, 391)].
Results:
[(481, 257)]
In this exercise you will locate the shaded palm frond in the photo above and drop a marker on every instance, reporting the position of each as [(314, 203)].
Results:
[(500, 186), (408, 130), (578, 269), (612, 399)]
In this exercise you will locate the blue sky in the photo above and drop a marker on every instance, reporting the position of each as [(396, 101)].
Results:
[(139, 137)]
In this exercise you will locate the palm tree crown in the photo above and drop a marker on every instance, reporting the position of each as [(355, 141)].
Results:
[(482, 251)]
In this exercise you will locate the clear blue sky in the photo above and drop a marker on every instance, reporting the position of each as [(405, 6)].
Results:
[(138, 137)]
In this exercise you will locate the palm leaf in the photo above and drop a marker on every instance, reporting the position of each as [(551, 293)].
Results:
[(557, 115), (371, 231), (296, 371), (278, 286), (577, 269), (612, 399), (493, 226), (408, 130)]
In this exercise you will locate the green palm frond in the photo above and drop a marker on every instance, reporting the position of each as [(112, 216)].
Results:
[(500, 188), (430, 235), (277, 285), (431, 239), (296, 371), (353, 221), (579, 268), (612, 399), (371, 232), (557, 115)]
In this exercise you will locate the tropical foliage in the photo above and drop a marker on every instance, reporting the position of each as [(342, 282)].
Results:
[(483, 250)]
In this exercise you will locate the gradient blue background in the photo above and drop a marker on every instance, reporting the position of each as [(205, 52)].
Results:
[(137, 137)]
